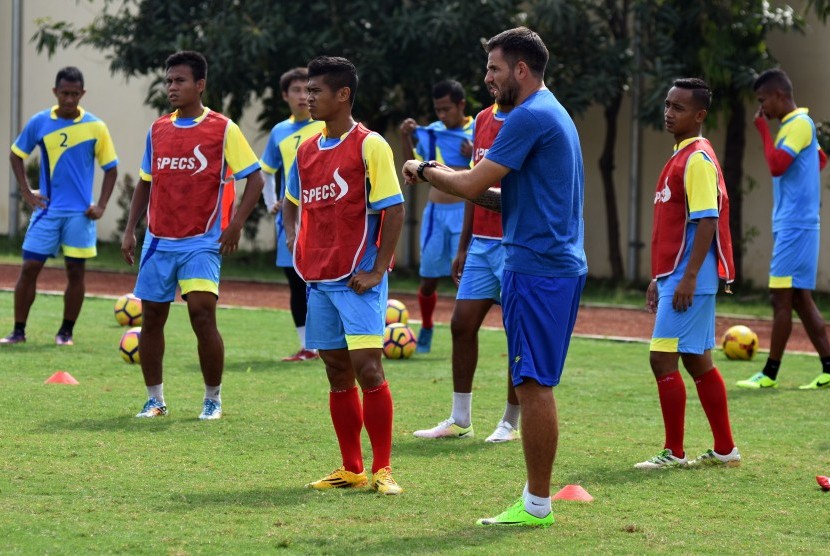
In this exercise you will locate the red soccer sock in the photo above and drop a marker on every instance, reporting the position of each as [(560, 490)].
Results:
[(712, 393), (672, 393), (377, 417), (427, 304), (347, 417)]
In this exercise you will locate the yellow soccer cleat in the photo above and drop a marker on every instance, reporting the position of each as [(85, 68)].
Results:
[(384, 483), (340, 478)]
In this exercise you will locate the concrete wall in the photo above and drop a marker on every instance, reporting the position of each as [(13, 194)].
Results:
[(119, 102)]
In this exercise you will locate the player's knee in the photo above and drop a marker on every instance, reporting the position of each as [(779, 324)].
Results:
[(461, 327), (203, 320), (370, 374), (30, 270)]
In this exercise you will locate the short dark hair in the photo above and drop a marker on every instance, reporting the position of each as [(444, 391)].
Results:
[(521, 44), (292, 75), (775, 78), (449, 87), (337, 73), (191, 58), (71, 74), (701, 92)]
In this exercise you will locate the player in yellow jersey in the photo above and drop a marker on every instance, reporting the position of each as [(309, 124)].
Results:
[(71, 141), (277, 159)]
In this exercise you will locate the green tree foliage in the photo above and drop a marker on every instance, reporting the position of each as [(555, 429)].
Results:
[(400, 47), (591, 64)]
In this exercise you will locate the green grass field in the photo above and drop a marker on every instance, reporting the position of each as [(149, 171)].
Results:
[(81, 475)]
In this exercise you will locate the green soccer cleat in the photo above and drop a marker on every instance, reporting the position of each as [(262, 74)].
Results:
[(517, 516), (710, 458), (757, 381), (821, 381), (663, 460)]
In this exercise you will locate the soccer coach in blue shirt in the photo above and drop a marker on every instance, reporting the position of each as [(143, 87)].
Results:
[(538, 160)]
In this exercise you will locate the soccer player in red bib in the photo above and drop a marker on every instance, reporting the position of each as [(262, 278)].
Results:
[(186, 192), (795, 161), (481, 256), (690, 247), (71, 141), (343, 214)]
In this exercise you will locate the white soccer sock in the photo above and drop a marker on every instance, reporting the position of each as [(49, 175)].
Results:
[(156, 392), (512, 414), (462, 408), (301, 336), (213, 393), (537, 505)]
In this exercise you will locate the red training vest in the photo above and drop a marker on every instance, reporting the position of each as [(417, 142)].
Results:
[(187, 168), (671, 214), (333, 223), (486, 222)]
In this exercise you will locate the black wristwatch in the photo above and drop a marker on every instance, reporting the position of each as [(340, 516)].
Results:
[(425, 164)]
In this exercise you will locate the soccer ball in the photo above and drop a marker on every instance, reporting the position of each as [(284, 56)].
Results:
[(740, 342), (128, 347), (128, 310), (398, 341), (396, 312)]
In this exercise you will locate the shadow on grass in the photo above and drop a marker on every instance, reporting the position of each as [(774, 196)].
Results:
[(429, 448), (126, 423)]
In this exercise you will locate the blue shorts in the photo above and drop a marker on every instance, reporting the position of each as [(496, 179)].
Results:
[(539, 317), (483, 269), (440, 230), (794, 261), (161, 271), (690, 331), (74, 233), (341, 318)]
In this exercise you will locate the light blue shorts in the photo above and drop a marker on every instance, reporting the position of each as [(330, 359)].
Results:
[(440, 230), (160, 272), (794, 261), (73, 233), (483, 269), (690, 331), (341, 318), (539, 317)]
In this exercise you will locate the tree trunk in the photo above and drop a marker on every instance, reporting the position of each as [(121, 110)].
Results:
[(733, 160), (606, 168)]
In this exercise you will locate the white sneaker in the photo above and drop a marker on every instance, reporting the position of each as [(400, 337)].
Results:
[(504, 433), (446, 429), (711, 457), (662, 460), (211, 410)]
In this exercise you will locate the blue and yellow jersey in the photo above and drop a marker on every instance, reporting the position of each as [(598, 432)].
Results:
[(238, 156), (69, 150), (442, 144), (283, 142), (796, 194), (382, 184)]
